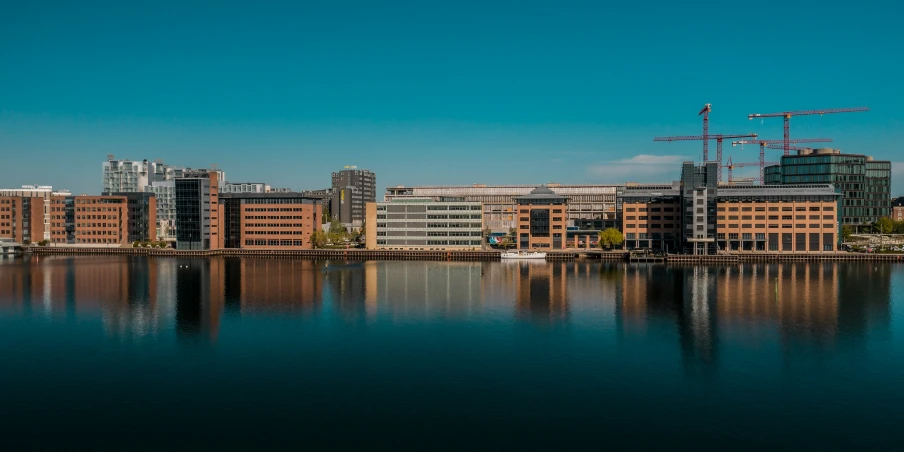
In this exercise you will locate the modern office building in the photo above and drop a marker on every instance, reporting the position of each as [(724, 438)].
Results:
[(422, 223), (197, 198), (141, 215), (802, 218), (651, 216), (25, 213), (699, 216), (165, 197), (101, 220), (325, 195), (865, 184), (699, 186), (541, 220), (351, 189), (590, 207), (267, 220)]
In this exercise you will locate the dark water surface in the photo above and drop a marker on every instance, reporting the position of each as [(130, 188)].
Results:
[(133, 353)]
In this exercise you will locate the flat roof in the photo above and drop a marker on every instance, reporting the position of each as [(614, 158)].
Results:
[(778, 190), (276, 194)]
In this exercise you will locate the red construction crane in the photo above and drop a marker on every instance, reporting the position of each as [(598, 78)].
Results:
[(788, 114), (718, 137), (764, 143), (732, 166)]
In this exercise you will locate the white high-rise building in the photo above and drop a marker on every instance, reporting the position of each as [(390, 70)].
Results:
[(128, 176)]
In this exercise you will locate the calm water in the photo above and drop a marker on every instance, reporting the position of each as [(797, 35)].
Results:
[(135, 353)]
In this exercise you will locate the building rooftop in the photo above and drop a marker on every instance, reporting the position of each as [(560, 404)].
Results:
[(778, 190), (279, 195), (541, 192)]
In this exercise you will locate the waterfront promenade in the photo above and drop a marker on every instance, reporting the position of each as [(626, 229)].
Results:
[(448, 255)]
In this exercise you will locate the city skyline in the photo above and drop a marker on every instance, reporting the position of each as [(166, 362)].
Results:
[(530, 94)]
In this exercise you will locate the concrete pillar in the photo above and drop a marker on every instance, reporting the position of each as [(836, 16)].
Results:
[(587, 242)]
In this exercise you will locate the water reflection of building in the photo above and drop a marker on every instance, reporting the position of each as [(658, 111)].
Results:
[(541, 290), (421, 290), (251, 285), (805, 304)]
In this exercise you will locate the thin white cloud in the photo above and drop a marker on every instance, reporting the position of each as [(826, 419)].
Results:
[(639, 168), (647, 159)]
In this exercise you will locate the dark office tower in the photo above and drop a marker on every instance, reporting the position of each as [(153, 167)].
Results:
[(196, 218), (864, 183), (352, 188)]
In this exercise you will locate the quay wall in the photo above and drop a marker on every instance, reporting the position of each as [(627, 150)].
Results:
[(436, 255)]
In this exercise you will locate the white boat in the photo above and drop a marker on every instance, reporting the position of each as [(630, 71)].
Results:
[(523, 255)]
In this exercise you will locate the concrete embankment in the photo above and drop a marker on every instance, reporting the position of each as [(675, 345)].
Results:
[(436, 255)]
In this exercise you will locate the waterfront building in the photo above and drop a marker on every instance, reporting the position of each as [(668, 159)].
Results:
[(422, 223), (865, 184), (197, 198), (755, 217), (651, 216), (590, 207), (101, 220), (267, 220), (897, 209), (141, 215), (325, 195), (541, 221), (25, 213), (777, 218), (351, 190), (165, 196)]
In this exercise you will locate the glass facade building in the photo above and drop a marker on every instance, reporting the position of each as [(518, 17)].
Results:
[(864, 183)]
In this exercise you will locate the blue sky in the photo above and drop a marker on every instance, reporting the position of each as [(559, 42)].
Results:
[(434, 92)]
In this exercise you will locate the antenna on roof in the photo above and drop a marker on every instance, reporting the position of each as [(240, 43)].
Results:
[(213, 166), (109, 156), (158, 161)]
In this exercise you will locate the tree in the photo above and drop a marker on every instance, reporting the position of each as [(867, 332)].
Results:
[(885, 225), (846, 232), (610, 237), (506, 243), (318, 239), (899, 227), (511, 232), (336, 227)]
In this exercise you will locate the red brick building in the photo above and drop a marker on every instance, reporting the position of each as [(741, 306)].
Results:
[(267, 220)]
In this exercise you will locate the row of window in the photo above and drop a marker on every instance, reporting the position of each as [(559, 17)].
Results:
[(775, 217), (275, 225), (776, 209), (275, 232), (652, 218), (276, 217), (258, 242), (274, 209), (96, 225), (651, 209)]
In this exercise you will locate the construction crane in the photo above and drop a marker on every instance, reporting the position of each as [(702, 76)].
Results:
[(705, 112), (719, 139), (763, 144), (761, 164), (788, 114)]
